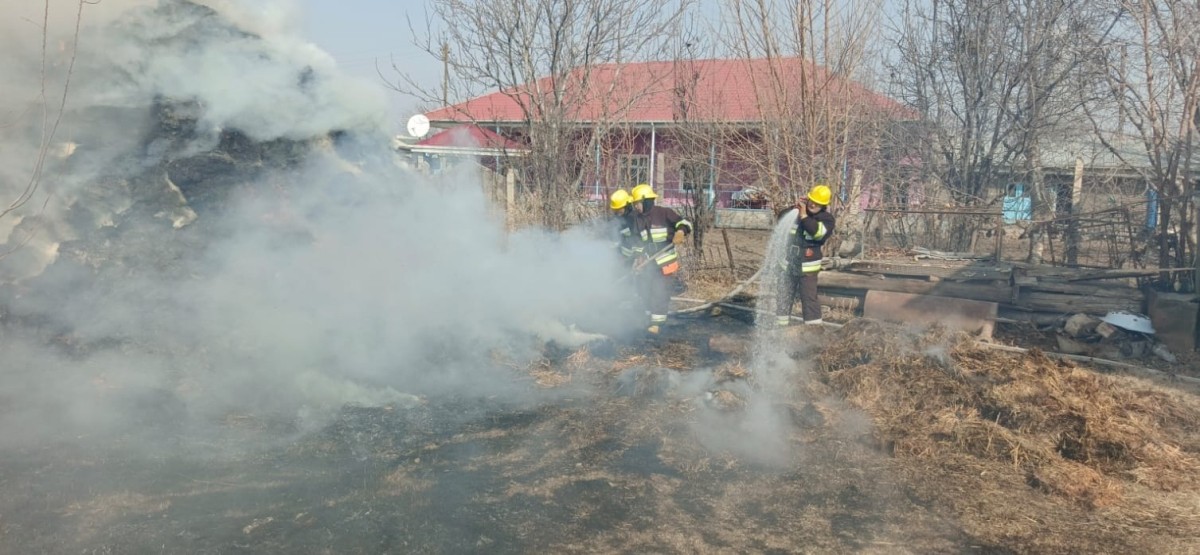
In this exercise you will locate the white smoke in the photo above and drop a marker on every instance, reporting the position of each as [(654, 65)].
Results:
[(266, 85), (337, 278)]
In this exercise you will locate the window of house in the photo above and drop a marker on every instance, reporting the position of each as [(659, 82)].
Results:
[(693, 175), (635, 169)]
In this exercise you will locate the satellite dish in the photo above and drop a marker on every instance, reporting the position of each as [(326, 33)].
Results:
[(418, 126)]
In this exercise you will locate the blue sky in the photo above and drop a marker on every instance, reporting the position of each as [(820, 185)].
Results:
[(359, 32)]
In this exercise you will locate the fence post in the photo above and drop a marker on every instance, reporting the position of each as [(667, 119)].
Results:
[(999, 237), (1073, 236), (729, 253)]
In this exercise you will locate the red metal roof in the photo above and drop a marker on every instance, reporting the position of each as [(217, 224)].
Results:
[(728, 90), (471, 136)]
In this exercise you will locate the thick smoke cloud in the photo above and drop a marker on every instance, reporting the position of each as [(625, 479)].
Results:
[(169, 285)]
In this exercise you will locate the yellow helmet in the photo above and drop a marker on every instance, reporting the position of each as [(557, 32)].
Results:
[(821, 194), (619, 199), (643, 191)]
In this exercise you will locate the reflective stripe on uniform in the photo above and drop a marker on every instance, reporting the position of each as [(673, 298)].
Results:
[(783, 320), (683, 222), (811, 266), (821, 230), (658, 318), (658, 234)]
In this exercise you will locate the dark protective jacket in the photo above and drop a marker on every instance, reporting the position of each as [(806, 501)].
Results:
[(655, 229), (623, 236), (808, 236)]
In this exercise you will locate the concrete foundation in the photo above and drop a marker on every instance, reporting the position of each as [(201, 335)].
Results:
[(744, 219)]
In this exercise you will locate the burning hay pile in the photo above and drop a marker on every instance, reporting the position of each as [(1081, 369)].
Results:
[(1067, 430)]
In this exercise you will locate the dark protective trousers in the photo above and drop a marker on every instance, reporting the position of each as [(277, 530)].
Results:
[(806, 286), (655, 291)]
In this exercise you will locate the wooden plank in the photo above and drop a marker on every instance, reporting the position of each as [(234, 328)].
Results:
[(844, 283), (1074, 288), (851, 303), (966, 271), (1039, 318), (1124, 273), (1071, 304), (845, 280), (1088, 274)]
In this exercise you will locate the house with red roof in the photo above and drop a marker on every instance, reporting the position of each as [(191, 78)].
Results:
[(645, 111)]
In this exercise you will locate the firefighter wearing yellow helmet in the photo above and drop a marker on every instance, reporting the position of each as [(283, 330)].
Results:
[(659, 229), (814, 226), (621, 205)]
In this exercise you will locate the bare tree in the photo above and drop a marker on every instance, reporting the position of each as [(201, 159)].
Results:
[(547, 56), (697, 133), (995, 79), (1149, 116), (814, 115)]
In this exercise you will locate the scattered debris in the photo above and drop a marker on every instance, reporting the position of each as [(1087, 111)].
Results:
[(1106, 330), (256, 524), (724, 400), (643, 382), (1081, 325), (1067, 344), (1117, 336), (1161, 351)]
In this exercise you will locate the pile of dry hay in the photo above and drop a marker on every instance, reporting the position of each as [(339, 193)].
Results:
[(1070, 431)]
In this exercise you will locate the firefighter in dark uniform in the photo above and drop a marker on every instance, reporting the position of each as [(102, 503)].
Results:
[(660, 229), (814, 226), (623, 222)]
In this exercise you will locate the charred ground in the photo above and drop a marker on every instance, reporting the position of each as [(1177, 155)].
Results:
[(599, 466)]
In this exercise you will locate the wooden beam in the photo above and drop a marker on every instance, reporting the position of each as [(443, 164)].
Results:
[(963, 271), (1116, 291), (844, 280), (1088, 274), (1071, 304)]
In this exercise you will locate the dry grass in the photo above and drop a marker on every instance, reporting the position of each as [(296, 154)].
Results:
[(1069, 431)]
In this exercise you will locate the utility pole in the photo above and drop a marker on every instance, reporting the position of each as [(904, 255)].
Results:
[(445, 73)]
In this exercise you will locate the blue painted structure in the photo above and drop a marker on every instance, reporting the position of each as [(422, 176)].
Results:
[(1017, 205)]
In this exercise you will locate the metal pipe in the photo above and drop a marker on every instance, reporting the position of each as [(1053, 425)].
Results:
[(712, 175), (653, 147)]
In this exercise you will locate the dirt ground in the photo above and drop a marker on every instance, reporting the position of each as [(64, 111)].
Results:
[(625, 450)]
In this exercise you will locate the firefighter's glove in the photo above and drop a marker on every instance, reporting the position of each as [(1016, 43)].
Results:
[(679, 237)]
